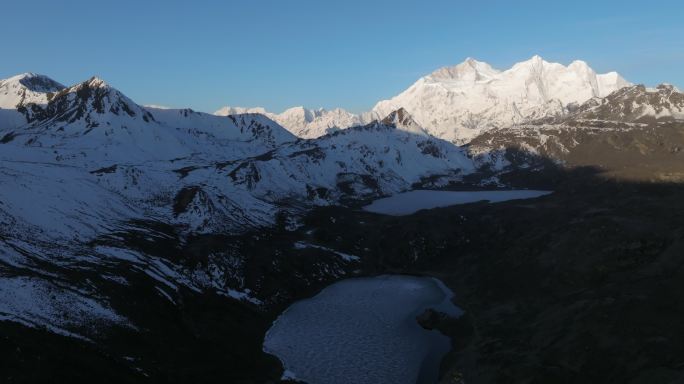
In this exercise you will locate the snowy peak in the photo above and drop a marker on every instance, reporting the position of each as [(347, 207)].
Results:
[(668, 88), (469, 70), (307, 123), (303, 122), (300, 116), (542, 81), (535, 61), (609, 82), (39, 83), (402, 120), (96, 82), (90, 98), (227, 111), (27, 88), (258, 126), (459, 103)]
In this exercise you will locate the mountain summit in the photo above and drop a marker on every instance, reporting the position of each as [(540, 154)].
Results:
[(458, 103), (469, 70), (26, 88), (303, 122)]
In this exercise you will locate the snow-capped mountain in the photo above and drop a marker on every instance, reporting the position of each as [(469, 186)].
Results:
[(227, 111), (458, 103), (27, 88), (20, 91), (403, 121), (95, 117), (128, 160), (303, 122)]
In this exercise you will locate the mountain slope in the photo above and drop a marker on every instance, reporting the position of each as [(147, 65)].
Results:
[(635, 104), (360, 162), (91, 170), (458, 103), (634, 133)]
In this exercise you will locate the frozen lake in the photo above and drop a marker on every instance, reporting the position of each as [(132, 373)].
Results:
[(410, 202), (363, 330)]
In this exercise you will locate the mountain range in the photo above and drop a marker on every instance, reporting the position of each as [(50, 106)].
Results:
[(104, 202), (460, 102)]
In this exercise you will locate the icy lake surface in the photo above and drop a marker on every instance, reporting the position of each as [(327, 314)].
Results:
[(363, 330), (410, 202)]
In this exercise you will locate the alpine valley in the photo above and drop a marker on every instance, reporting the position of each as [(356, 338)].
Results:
[(144, 244)]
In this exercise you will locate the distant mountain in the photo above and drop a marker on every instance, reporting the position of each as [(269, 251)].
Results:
[(227, 111), (302, 122), (458, 103)]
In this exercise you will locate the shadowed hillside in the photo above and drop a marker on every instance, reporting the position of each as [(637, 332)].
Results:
[(579, 286)]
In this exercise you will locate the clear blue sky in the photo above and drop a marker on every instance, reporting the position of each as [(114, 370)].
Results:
[(351, 53)]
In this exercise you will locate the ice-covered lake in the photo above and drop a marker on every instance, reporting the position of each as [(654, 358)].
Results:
[(413, 201), (363, 330)]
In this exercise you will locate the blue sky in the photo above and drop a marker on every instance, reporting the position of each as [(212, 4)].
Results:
[(281, 53)]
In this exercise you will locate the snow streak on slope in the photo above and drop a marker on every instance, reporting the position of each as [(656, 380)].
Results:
[(458, 103)]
